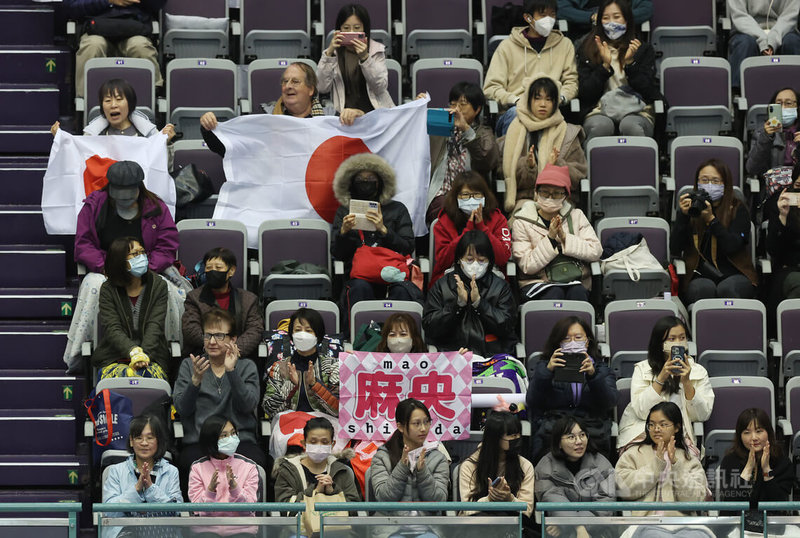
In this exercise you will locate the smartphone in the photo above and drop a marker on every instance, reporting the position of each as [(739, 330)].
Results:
[(677, 352), (775, 114), (349, 37), (496, 481), (794, 198), (570, 372)]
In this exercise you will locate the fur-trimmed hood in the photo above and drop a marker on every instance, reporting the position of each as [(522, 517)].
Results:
[(345, 455), (357, 163)]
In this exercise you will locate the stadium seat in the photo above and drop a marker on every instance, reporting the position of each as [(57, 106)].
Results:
[(283, 309), (684, 28), (140, 73), (266, 35), (378, 310), (793, 415), (731, 336), (395, 80), (537, 319), (198, 236), (197, 86), (438, 75), (440, 29), (761, 77), (264, 81), (786, 350), (196, 152), (195, 29), (691, 112)]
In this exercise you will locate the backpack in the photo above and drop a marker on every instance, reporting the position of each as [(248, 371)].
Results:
[(502, 365), (633, 259)]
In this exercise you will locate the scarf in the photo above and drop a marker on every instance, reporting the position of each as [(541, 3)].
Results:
[(316, 108), (456, 161)]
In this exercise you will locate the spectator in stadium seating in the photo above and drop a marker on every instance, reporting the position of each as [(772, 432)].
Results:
[(118, 114), (114, 28), (355, 73), (549, 400), (469, 205), (220, 265), (471, 306), (133, 305), (145, 477), (573, 471), (123, 208), (369, 177), (783, 246), (223, 476), (612, 59), (317, 470), (400, 334), (303, 369), (661, 467), (403, 469), (471, 146), (553, 242), (218, 382), (755, 469), (714, 244), (582, 14), (537, 137), (660, 378), (530, 49), (761, 27), (498, 459), (299, 98)]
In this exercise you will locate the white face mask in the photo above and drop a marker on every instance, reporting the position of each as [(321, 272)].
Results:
[(318, 453), (474, 269), (468, 206), (549, 205), (304, 341), (399, 344), (228, 445), (544, 26)]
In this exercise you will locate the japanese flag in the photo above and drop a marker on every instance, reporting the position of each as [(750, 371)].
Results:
[(280, 167), (65, 187)]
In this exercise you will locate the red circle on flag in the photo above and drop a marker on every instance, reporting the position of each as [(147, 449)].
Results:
[(322, 167)]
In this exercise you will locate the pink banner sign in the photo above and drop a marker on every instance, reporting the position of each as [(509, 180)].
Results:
[(371, 384)]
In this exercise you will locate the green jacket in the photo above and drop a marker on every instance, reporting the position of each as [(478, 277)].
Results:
[(116, 323)]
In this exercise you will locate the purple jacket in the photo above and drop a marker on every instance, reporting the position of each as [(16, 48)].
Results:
[(159, 235)]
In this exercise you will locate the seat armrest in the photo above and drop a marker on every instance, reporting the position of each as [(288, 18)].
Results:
[(253, 268), (563, 26), (725, 23), (511, 269), (753, 184), (574, 105), (266, 428), (658, 105), (86, 349), (72, 28), (244, 106), (680, 266), (175, 350), (493, 108), (80, 104), (398, 27), (431, 349), (88, 429), (316, 28), (338, 267), (520, 352), (480, 28), (698, 429), (81, 269), (741, 104), (162, 105), (614, 430), (236, 28), (764, 266), (668, 182), (585, 186), (177, 427), (604, 348), (156, 28), (775, 348), (500, 185), (646, 27), (262, 350), (692, 345), (596, 270), (425, 265), (786, 427)]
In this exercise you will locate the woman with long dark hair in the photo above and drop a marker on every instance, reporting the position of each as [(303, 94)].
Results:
[(755, 469), (783, 246), (660, 468), (663, 378), (712, 234), (469, 205), (496, 472)]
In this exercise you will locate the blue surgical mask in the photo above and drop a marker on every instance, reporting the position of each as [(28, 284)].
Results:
[(138, 265), (468, 206), (614, 30), (714, 191), (789, 116), (228, 445)]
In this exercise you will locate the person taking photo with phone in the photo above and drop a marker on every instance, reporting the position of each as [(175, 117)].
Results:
[(783, 245)]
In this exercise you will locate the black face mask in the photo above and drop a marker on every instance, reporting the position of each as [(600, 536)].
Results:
[(514, 447), (216, 279), (364, 190)]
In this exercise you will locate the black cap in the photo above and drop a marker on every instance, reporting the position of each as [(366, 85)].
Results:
[(125, 174)]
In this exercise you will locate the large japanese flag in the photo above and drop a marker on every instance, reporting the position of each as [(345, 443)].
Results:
[(64, 187), (280, 167)]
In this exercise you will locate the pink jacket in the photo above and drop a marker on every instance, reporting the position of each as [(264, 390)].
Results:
[(159, 234), (247, 489)]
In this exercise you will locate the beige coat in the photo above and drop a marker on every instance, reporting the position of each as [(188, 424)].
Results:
[(466, 482), (639, 470), (533, 251), (515, 59), (329, 78)]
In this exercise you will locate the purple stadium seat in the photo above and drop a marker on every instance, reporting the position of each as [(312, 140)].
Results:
[(366, 311), (538, 317), (140, 73), (731, 336), (196, 152), (793, 412), (31, 470), (684, 27), (21, 182), (788, 348), (440, 29), (182, 42), (266, 36), (38, 431), (264, 80), (33, 345), (761, 77), (196, 86), (623, 397), (395, 80), (198, 236), (623, 175), (691, 112), (628, 327), (278, 310), (141, 391), (32, 266), (438, 75)]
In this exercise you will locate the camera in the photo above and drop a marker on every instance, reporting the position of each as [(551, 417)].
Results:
[(699, 197)]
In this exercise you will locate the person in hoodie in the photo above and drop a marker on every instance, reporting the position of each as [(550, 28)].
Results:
[(317, 470), (123, 208), (470, 306), (548, 234), (761, 27), (223, 476), (369, 177), (539, 136), (714, 244), (610, 57), (530, 49)]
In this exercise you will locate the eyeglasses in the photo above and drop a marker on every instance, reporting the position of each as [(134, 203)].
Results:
[(571, 437), (709, 181), (551, 195), (577, 338), (144, 439), (468, 195), (219, 337), (291, 82), (787, 104), (135, 253), (660, 425), (420, 424)]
